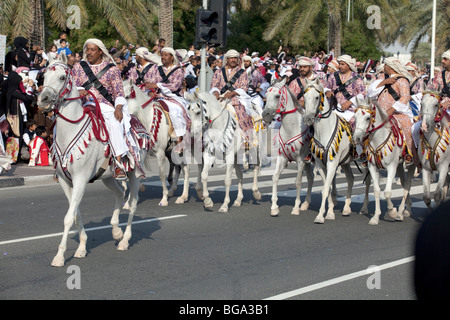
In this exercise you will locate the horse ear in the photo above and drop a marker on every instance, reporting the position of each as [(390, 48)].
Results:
[(62, 57), (283, 81)]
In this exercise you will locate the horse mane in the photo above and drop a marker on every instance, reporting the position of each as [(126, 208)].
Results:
[(294, 98)]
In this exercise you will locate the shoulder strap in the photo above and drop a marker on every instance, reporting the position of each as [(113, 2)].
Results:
[(142, 74), (94, 80), (413, 84), (342, 87), (302, 89), (163, 75), (445, 88), (230, 83), (392, 92)]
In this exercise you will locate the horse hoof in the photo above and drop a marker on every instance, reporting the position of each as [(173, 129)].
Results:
[(373, 222), (319, 220), (346, 211), (304, 206), (237, 203), (392, 213), (399, 218), (406, 213), (180, 200), (163, 203), (142, 187), (123, 246), (330, 216), (274, 212), (58, 262), (295, 211), (200, 195), (80, 253), (257, 195), (208, 203), (223, 209)]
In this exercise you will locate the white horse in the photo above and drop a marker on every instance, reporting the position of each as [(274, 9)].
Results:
[(221, 135), (331, 145), (433, 150), (157, 123), (80, 157), (383, 145), (294, 138)]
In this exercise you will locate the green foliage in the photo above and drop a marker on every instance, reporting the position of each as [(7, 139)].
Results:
[(359, 41)]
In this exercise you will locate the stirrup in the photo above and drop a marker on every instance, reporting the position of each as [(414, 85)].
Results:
[(119, 174)]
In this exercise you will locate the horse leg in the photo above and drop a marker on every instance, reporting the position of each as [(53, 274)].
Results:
[(74, 195), (364, 208), (310, 178), (256, 194), (426, 175), (208, 162), (405, 180), (280, 164), (391, 171), (118, 190), (350, 180), (185, 195), (439, 193), (375, 174), (198, 186), (134, 197), (330, 172), (298, 185), (240, 194), (161, 157), (174, 184), (228, 179)]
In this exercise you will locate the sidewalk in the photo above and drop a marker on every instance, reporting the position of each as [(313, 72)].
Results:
[(23, 175)]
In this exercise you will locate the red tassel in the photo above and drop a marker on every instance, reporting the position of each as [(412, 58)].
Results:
[(85, 144), (71, 158), (80, 150)]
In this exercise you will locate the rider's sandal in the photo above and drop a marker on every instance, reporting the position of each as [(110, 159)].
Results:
[(119, 174)]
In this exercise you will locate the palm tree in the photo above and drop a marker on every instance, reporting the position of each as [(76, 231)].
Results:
[(416, 24), (128, 17), (166, 21), (296, 18)]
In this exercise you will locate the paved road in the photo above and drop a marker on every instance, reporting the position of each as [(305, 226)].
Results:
[(187, 252)]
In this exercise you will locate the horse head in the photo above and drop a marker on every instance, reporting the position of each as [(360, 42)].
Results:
[(430, 108), (273, 96), (314, 101), (364, 117), (57, 83)]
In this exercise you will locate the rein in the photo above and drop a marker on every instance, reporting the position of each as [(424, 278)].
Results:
[(319, 109)]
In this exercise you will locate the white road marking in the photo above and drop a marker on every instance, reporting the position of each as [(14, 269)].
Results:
[(88, 229), (334, 281)]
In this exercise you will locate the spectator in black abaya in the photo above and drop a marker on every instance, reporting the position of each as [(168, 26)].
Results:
[(21, 56), (17, 102)]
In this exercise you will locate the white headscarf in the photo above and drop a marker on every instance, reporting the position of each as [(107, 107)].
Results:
[(230, 54), (148, 56), (398, 67), (106, 56), (412, 67), (249, 59), (305, 61), (173, 53), (348, 60), (333, 64), (446, 54)]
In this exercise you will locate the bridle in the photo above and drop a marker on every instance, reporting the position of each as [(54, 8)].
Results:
[(66, 88), (319, 110), (282, 101), (440, 113)]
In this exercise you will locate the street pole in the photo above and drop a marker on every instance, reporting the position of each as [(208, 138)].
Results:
[(433, 40), (202, 79)]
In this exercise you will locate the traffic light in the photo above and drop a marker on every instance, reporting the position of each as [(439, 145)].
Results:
[(211, 25)]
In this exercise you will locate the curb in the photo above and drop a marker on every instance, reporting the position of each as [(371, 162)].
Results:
[(26, 181)]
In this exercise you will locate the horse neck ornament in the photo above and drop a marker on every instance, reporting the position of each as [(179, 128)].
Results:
[(435, 136), (280, 101)]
